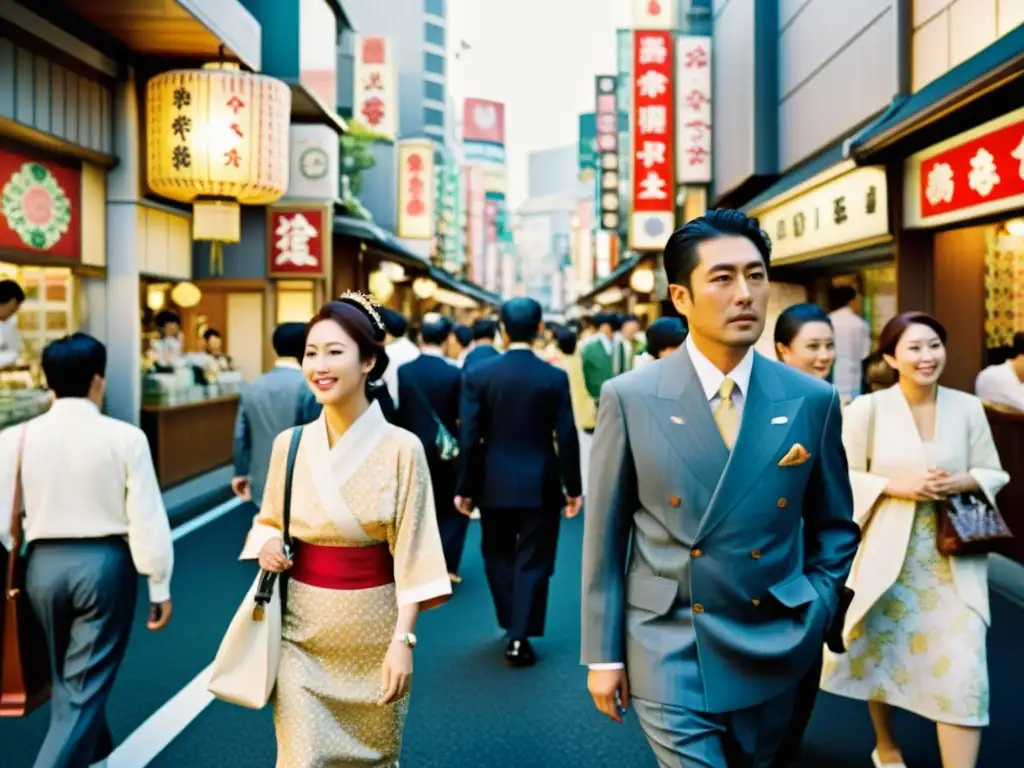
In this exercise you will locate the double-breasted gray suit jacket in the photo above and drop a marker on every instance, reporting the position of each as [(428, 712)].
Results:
[(734, 562)]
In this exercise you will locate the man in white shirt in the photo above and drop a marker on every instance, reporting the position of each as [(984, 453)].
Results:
[(400, 350), (94, 518), (853, 342), (11, 298), (1004, 384)]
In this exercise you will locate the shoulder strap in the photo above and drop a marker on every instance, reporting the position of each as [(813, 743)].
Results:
[(17, 531), (293, 451), (422, 397), (871, 432)]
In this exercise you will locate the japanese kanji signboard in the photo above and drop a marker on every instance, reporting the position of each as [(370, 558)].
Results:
[(607, 142), (693, 110), (653, 176), (299, 241), (375, 91), (978, 173), (848, 212), (40, 206), (416, 189)]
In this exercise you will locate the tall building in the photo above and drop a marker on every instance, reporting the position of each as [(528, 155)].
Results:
[(543, 246), (554, 172)]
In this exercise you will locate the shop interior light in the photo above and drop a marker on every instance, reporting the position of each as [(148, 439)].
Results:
[(156, 297), (1015, 227), (642, 280), (186, 295), (423, 288), (381, 286)]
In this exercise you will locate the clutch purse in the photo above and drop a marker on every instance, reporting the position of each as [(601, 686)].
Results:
[(244, 671), (968, 524), (25, 668)]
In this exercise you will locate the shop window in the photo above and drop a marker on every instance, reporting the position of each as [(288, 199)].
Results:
[(433, 117), (1004, 284), (435, 34), (433, 91), (435, 7), (49, 310), (434, 63), (295, 300)]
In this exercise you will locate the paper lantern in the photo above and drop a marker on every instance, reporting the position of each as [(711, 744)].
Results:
[(423, 288), (381, 286), (642, 280), (186, 295), (217, 137)]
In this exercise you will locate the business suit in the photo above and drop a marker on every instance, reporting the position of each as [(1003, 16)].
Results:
[(513, 412), (276, 401), (432, 378), (716, 613), (481, 353), (603, 359)]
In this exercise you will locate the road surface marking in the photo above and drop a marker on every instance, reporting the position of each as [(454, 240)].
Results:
[(163, 726), (207, 517)]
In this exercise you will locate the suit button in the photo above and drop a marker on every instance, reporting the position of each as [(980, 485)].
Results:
[(698, 608), (697, 552), (782, 502), (675, 501), (756, 602), (756, 554)]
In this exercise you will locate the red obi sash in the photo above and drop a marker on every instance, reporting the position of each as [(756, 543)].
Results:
[(343, 568)]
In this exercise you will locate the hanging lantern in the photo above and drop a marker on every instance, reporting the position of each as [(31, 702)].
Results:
[(423, 288), (186, 295), (381, 286), (642, 280), (217, 137)]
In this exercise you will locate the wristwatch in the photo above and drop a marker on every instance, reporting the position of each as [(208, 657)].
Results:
[(406, 638)]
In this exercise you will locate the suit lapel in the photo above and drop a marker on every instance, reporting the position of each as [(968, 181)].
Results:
[(758, 443), (682, 412)]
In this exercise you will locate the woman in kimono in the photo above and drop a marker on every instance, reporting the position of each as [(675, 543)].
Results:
[(915, 630), (367, 556), (804, 340)]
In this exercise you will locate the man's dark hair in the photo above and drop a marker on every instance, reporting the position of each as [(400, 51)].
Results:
[(842, 296), (289, 340), (630, 318), (485, 328), (682, 251), (610, 319), (435, 330), (665, 333), (211, 333), (464, 334), (166, 317), (521, 318), (1018, 344), (394, 321), (566, 341), (10, 290), (71, 363)]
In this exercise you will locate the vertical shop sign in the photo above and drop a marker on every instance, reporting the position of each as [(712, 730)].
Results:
[(416, 190), (693, 94), (299, 241), (587, 152), (608, 151), (376, 88), (653, 177)]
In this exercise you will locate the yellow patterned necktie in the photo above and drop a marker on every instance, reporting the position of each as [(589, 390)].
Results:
[(726, 416)]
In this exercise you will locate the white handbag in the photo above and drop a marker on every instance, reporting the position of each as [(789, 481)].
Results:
[(245, 669)]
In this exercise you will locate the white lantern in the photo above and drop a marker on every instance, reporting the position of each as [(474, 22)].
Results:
[(381, 286), (423, 288), (642, 280), (217, 137), (186, 295)]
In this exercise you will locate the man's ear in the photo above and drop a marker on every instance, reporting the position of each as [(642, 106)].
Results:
[(681, 298)]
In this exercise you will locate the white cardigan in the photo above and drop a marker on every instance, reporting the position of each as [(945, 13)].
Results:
[(963, 443)]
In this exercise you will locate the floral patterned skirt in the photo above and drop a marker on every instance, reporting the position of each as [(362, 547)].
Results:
[(920, 647)]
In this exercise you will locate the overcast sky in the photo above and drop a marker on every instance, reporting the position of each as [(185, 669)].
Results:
[(539, 57)]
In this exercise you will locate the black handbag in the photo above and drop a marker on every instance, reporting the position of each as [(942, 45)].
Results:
[(265, 588)]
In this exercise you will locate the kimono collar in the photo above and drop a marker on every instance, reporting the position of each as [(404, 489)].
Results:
[(362, 431)]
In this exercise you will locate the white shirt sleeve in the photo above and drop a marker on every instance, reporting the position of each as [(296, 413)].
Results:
[(149, 530), (609, 666), (8, 458), (10, 342)]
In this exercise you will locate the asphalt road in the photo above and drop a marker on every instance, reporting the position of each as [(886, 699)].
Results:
[(468, 709)]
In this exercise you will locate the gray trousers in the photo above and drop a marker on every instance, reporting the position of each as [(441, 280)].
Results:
[(747, 738), (83, 592)]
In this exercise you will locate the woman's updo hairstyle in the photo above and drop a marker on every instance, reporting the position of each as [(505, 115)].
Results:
[(358, 316)]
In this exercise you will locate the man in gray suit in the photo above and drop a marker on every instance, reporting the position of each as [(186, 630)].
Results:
[(726, 470), (277, 400)]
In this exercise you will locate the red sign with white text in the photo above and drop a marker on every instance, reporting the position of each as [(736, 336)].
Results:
[(40, 206), (653, 123), (297, 240), (483, 120), (982, 170)]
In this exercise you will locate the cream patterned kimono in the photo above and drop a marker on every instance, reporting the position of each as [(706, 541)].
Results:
[(915, 630), (371, 487)]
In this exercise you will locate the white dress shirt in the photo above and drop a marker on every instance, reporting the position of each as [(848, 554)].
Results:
[(1000, 385), (853, 347), (10, 341), (84, 476), (711, 381), (400, 351)]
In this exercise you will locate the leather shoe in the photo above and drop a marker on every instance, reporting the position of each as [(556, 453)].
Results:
[(520, 653)]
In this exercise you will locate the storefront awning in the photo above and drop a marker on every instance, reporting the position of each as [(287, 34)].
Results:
[(465, 287), (192, 29), (812, 172), (979, 75), (307, 107), (615, 277)]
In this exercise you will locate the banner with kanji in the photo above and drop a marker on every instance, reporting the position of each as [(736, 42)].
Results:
[(416, 189), (375, 92), (693, 110), (298, 240)]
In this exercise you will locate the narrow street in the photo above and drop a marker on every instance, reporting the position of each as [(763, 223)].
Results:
[(469, 709)]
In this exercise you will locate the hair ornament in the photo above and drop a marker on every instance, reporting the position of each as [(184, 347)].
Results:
[(367, 304)]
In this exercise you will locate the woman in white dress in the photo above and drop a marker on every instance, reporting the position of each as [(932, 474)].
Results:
[(915, 630)]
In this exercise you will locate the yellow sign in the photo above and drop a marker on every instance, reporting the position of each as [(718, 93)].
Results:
[(847, 211), (494, 180), (416, 189)]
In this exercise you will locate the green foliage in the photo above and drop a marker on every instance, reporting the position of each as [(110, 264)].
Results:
[(356, 156)]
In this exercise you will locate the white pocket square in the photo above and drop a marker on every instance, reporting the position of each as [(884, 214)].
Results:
[(780, 420)]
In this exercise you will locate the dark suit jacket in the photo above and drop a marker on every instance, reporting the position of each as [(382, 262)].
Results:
[(439, 382), (379, 394), (513, 412), (479, 355)]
